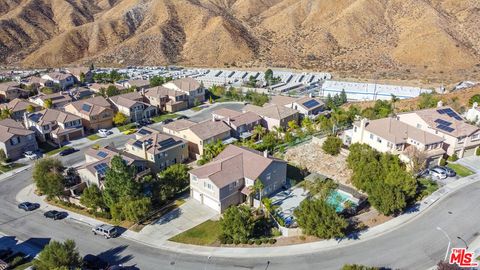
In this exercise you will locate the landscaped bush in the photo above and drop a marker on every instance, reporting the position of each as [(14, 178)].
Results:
[(272, 241), (244, 241), (478, 152), (16, 262), (443, 162), (223, 239), (453, 158), (251, 241), (265, 241), (276, 232), (258, 242), (229, 241), (332, 145)]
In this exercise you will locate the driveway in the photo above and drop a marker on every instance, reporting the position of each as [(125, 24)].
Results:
[(206, 113), (472, 162), (187, 216)]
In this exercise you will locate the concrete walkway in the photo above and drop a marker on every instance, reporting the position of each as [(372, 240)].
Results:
[(472, 162)]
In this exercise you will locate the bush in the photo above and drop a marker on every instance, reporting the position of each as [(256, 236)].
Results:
[(18, 260), (453, 158), (236, 241), (276, 232), (272, 241), (251, 241), (265, 241), (229, 241), (332, 145), (443, 162), (244, 241), (223, 239), (478, 152), (258, 242)]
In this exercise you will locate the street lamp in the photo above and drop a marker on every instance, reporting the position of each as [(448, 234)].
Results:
[(449, 242), (465, 242), (208, 261)]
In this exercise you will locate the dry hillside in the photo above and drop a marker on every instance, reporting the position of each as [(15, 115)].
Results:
[(375, 38)]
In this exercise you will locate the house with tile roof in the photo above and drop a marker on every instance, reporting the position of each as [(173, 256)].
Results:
[(307, 106), (98, 162), (160, 150), (198, 134), (54, 125), (191, 87), (461, 138), (15, 139), (19, 107), (242, 124), (132, 105), (165, 99), (273, 115), (78, 71), (96, 113), (390, 135), (63, 79), (59, 99), (11, 90), (229, 178)]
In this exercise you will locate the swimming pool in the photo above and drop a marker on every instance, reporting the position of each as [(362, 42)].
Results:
[(338, 198)]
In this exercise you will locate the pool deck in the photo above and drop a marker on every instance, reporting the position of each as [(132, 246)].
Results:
[(289, 199)]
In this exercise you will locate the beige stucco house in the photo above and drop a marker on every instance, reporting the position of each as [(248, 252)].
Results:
[(307, 106), (15, 139), (96, 113), (191, 87), (242, 124), (167, 100), (64, 80), (274, 115), (19, 107), (11, 90), (59, 99), (132, 105)]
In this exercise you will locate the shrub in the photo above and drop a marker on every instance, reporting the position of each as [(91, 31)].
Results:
[(443, 162), (236, 241), (258, 242), (265, 241), (229, 241), (244, 241), (251, 241), (276, 232), (332, 145), (478, 152), (223, 239), (16, 261), (272, 241), (453, 158)]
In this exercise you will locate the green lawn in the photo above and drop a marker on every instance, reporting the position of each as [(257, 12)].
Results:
[(425, 188), (204, 234), (127, 127), (197, 109), (93, 137), (460, 170), (164, 117), (11, 166), (50, 150)]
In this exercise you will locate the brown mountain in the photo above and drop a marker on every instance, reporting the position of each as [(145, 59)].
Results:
[(408, 37)]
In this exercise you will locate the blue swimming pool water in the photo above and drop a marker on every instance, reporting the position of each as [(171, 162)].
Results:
[(337, 199)]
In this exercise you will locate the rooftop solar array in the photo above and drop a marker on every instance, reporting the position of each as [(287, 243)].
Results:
[(443, 122), (450, 113), (167, 143), (86, 107), (311, 103), (101, 168), (138, 144), (35, 117), (102, 154), (144, 132), (445, 128)]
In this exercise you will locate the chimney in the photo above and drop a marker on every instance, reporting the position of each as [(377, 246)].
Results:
[(475, 105), (440, 104), (144, 148), (228, 121), (213, 118), (310, 95), (265, 153)]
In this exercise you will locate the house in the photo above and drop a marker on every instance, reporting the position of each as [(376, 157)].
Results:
[(96, 113), (63, 80), (11, 90), (15, 139), (79, 72), (59, 99), (98, 161), (473, 114), (97, 87), (460, 137), (37, 82), (189, 86), (306, 106), (242, 124), (18, 107), (132, 105), (229, 178), (161, 150), (396, 137), (55, 125), (80, 93), (198, 134), (166, 99), (138, 84), (273, 115)]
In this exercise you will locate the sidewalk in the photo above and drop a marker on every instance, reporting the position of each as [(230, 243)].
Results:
[(27, 195)]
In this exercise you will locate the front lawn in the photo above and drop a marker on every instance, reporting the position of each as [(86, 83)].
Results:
[(164, 117), (12, 166), (204, 234), (460, 170), (94, 137), (127, 127), (197, 109), (425, 188)]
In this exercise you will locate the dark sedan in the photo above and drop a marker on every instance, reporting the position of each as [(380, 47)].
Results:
[(55, 215), (68, 152), (28, 206)]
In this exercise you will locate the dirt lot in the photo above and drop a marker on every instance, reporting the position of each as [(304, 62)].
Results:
[(312, 157)]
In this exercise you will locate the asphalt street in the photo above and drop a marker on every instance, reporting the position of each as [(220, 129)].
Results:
[(416, 245)]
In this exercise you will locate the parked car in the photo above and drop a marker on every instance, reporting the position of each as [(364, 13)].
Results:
[(438, 173), (55, 215), (30, 155), (182, 117), (166, 121), (105, 230), (448, 171), (93, 262), (68, 151), (104, 132), (28, 206)]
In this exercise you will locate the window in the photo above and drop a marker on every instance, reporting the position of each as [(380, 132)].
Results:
[(419, 126), (379, 140), (461, 139), (14, 140), (355, 129), (269, 175), (207, 185), (475, 137), (194, 178), (371, 136)]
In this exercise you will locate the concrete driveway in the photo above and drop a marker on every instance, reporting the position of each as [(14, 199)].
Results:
[(472, 162), (187, 216)]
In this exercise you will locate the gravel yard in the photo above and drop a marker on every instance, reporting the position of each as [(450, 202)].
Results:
[(312, 157)]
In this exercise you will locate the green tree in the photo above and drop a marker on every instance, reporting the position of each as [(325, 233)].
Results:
[(48, 103), (120, 119), (269, 141), (269, 76), (473, 99), (156, 81), (58, 255), (92, 198), (5, 113), (394, 100), (47, 90), (258, 187), (82, 77), (48, 176), (237, 223), (136, 209), (427, 100), (258, 132), (30, 109), (211, 150), (316, 217), (332, 145), (173, 179), (343, 97), (292, 126), (112, 90), (3, 156), (358, 267)]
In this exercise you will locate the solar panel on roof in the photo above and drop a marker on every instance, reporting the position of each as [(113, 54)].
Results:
[(35, 117), (138, 144), (101, 168), (167, 143), (311, 103), (442, 122), (144, 132), (86, 107), (102, 154), (442, 111), (445, 128)]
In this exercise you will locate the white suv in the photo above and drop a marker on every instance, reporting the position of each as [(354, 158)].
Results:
[(104, 133), (106, 230), (30, 155)]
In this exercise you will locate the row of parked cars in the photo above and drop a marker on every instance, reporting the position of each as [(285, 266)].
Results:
[(438, 172)]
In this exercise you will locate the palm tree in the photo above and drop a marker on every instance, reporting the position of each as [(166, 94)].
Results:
[(394, 100), (258, 189), (278, 131), (292, 125), (7, 113), (258, 132)]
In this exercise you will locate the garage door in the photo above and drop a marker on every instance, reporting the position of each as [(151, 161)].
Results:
[(469, 152), (197, 196), (211, 203)]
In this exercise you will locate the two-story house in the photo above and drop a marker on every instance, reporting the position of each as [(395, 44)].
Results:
[(460, 137), (198, 134), (389, 135), (80, 73), (96, 113), (167, 100), (189, 86), (161, 150), (59, 99), (230, 177), (307, 106), (16, 139), (132, 105), (18, 108), (274, 115), (54, 125), (98, 162), (63, 80), (242, 124), (11, 90)]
